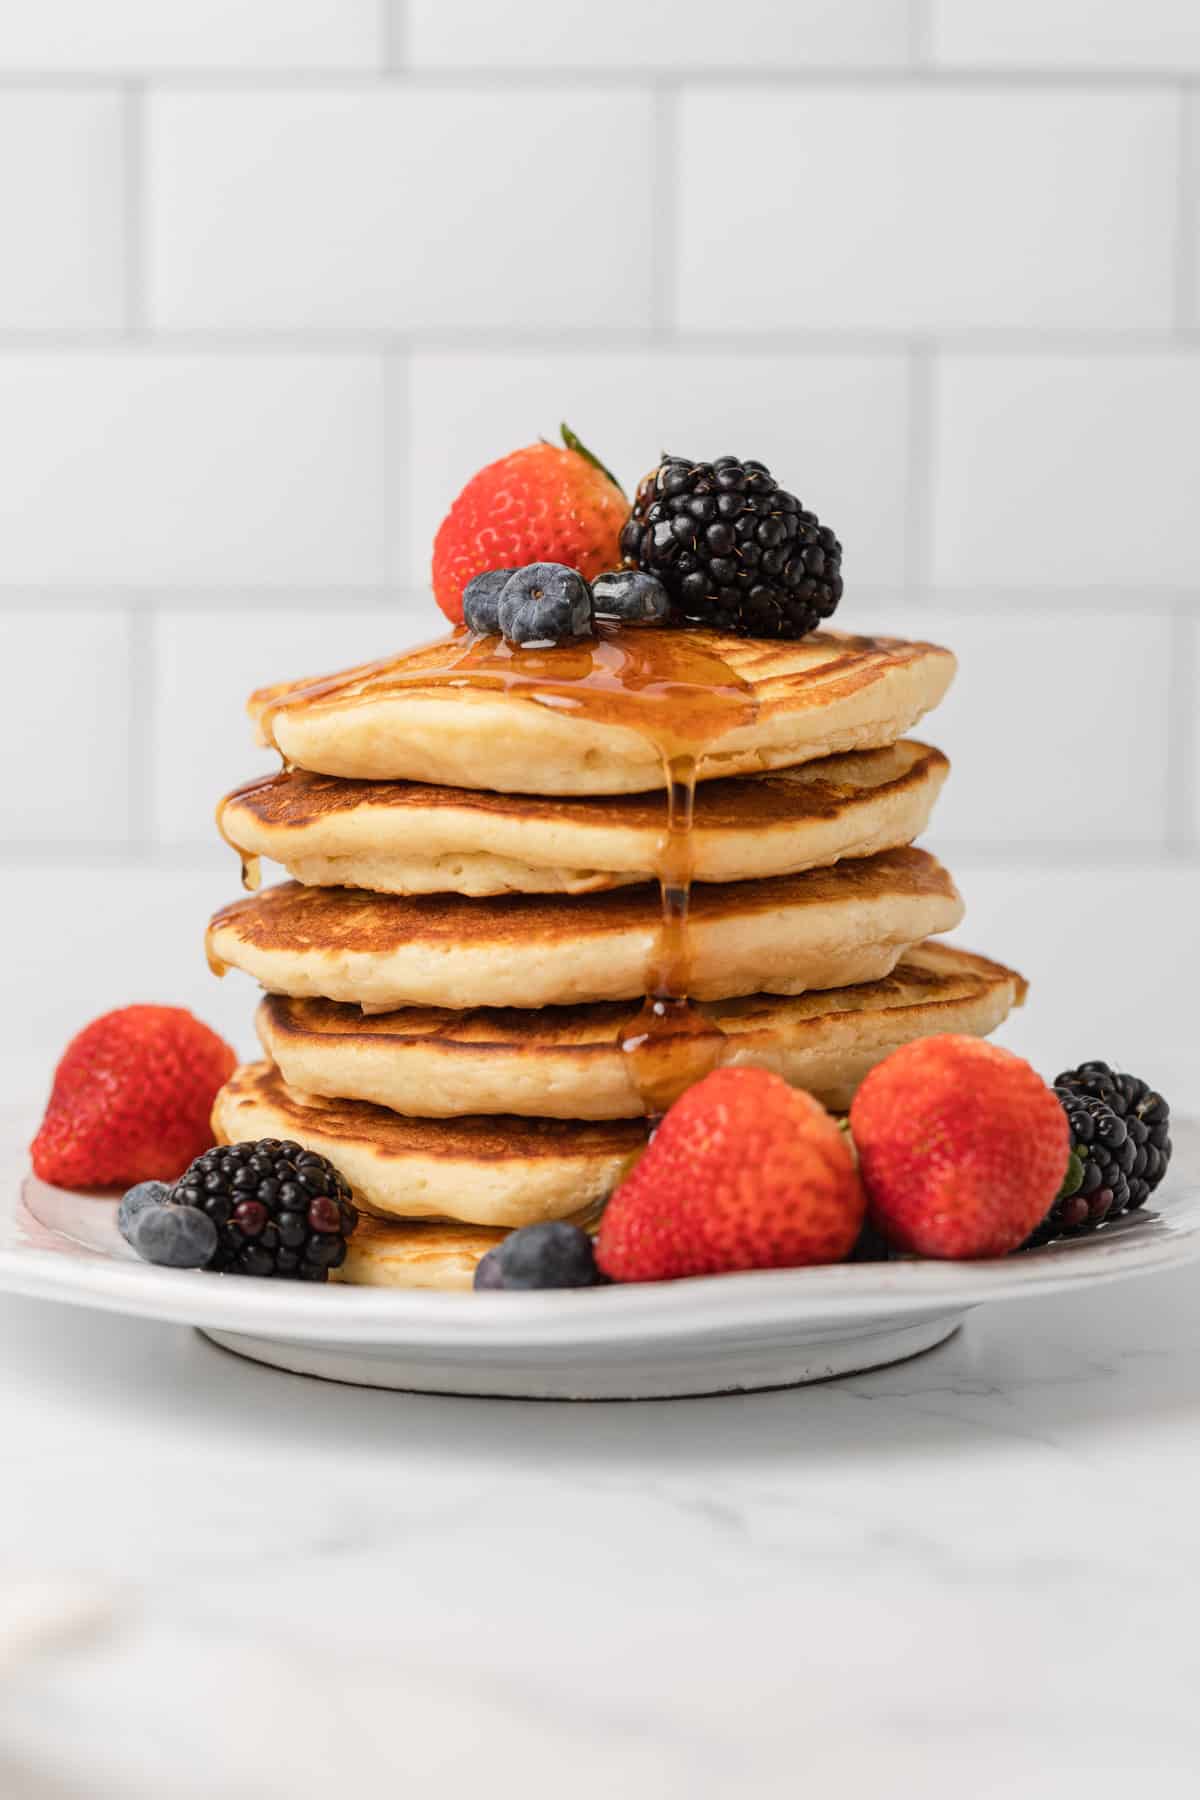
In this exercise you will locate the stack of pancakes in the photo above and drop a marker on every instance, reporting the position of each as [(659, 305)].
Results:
[(455, 975)]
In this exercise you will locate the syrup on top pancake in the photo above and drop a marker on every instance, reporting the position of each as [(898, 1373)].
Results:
[(606, 715), (415, 838)]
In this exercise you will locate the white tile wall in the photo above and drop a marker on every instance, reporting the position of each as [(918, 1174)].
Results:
[(278, 275), (205, 664), (135, 35), (629, 34), (1067, 34), (394, 209), (1067, 470), (149, 468), (63, 233), (927, 208), (66, 769), (839, 424)]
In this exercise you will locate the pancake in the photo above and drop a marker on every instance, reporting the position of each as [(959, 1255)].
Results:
[(824, 929), (396, 837), (566, 1062), (599, 717), (501, 1172), (385, 1253)]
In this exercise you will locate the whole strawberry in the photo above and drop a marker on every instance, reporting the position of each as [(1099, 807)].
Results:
[(743, 1173), (541, 504), (131, 1099), (961, 1145)]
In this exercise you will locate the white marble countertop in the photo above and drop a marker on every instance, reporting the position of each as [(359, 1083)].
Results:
[(974, 1574)]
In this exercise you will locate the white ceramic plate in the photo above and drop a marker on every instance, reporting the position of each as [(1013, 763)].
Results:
[(717, 1334)]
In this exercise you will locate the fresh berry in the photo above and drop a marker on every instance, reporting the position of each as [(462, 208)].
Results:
[(539, 504), (278, 1209), (546, 603), (961, 1145), (732, 548), (743, 1173), (176, 1237), (551, 1255), (481, 600), (131, 1099), (146, 1193), (630, 594), (1120, 1148)]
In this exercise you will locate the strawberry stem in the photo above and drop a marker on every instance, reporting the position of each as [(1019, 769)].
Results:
[(572, 442)]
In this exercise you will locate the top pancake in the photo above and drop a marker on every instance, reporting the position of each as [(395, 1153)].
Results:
[(402, 837), (602, 716)]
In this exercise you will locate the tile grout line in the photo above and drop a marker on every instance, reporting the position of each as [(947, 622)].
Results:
[(664, 209), (473, 76), (396, 454), (920, 34), (1183, 742), (134, 197), (1187, 211), (393, 35), (921, 449), (142, 727)]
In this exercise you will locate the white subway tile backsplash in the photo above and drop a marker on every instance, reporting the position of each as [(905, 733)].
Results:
[(145, 468), (206, 665), (1066, 34), (925, 208), (396, 208), (834, 428), (629, 34), (1066, 470), (64, 727), (61, 211), (136, 35), (1108, 954), (1050, 741)]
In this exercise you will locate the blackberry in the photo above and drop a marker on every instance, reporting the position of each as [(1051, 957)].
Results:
[(733, 549), (279, 1209), (1120, 1147)]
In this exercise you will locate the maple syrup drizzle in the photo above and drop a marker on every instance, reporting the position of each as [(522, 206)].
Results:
[(680, 696)]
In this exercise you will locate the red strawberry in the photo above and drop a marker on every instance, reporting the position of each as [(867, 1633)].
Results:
[(743, 1173), (540, 504), (961, 1145), (131, 1099)]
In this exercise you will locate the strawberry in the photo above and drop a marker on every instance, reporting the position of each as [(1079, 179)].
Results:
[(539, 504), (131, 1099), (743, 1173), (961, 1145)]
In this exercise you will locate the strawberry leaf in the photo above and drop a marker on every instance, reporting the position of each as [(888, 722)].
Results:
[(572, 442)]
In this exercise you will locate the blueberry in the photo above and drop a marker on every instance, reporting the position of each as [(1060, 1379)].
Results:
[(146, 1193), (177, 1237), (487, 1270), (481, 597), (630, 594), (553, 1255), (546, 603)]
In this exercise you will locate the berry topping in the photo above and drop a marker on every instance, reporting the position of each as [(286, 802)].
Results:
[(743, 1173), (733, 549), (539, 504), (962, 1147), (1120, 1148), (176, 1237), (481, 599), (146, 1193), (131, 1099), (630, 594), (545, 603), (552, 1255), (278, 1209)]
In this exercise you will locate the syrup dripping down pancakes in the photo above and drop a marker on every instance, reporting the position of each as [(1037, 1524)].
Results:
[(539, 891)]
